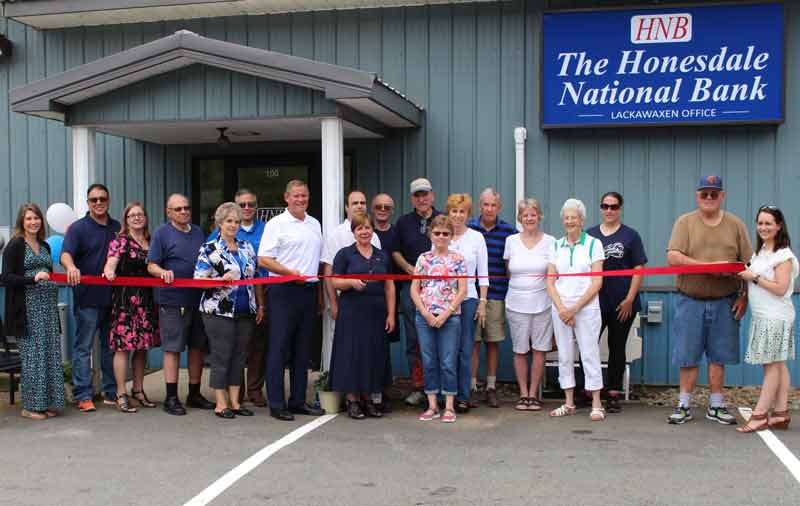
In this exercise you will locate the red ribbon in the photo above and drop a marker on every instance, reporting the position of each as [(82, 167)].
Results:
[(716, 268)]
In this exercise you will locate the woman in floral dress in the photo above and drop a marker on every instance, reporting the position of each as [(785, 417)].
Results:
[(31, 315), (134, 323)]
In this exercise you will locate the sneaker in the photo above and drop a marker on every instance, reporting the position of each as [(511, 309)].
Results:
[(721, 415), (680, 415), (86, 406), (415, 398)]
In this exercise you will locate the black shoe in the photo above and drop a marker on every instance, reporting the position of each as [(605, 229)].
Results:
[(372, 410), (199, 402), (354, 410), (462, 407), (242, 412), (305, 409), (613, 405), (281, 414), (173, 406), (226, 413)]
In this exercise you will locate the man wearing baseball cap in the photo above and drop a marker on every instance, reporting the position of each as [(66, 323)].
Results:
[(708, 307), (411, 239)]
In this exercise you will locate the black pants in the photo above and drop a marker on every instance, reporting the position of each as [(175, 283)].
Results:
[(228, 339), (292, 311), (617, 340)]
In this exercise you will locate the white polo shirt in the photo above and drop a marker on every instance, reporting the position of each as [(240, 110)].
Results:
[(342, 237), (295, 244), (574, 259)]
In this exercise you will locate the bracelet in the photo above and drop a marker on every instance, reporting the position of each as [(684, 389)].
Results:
[(261, 307), (482, 299), (755, 279)]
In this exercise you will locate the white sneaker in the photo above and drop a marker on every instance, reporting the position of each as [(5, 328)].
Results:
[(415, 398)]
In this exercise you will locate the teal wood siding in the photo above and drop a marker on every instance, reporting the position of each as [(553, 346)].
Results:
[(475, 70)]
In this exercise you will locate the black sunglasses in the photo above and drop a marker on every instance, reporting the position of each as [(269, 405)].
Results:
[(97, 200), (709, 195), (613, 207), (180, 209), (249, 205)]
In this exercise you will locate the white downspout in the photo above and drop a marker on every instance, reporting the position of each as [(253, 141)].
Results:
[(83, 167), (520, 134)]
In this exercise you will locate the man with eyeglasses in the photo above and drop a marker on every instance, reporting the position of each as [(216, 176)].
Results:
[(341, 237), (708, 307), (85, 251), (411, 240), (174, 247), (251, 230)]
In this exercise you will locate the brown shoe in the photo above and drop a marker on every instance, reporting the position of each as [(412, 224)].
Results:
[(258, 400), (474, 399), (491, 398)]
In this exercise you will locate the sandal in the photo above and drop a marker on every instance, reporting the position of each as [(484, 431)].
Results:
[(428, 415), (123, 406), (597, 414), (140, 398), (448, 416), (783, 424), (534, 404), (33, 415), (563, 410), (747, 428), (522, 404)]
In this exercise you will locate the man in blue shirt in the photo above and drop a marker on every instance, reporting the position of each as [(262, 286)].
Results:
[(251, 230), (495, 231), (85, 251), (173, 255), (411, 240)]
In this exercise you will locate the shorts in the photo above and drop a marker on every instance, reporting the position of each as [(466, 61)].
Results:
[(495, 330), (530, 331), (704, 326), (181, 327)]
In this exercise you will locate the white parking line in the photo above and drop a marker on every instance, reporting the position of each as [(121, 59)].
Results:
[(788, 458), (232, 476)]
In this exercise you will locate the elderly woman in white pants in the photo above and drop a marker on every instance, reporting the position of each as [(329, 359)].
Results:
[(576, 307)]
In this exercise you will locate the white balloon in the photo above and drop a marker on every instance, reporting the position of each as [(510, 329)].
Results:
[(60, 216)]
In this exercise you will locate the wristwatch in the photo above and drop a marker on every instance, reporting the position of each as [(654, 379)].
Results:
[(755, 279)]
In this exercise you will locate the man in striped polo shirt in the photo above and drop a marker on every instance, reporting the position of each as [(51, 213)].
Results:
[(494, 231)]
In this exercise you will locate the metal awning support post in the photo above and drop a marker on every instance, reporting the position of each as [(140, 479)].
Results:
[(83, 166), (332, 205)]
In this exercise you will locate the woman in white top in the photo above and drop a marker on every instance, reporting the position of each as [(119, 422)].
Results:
[(772, 271), (576, 307), (527, 302), (471, 245)]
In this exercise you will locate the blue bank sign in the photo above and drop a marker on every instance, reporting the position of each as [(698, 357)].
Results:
[(684, 65)]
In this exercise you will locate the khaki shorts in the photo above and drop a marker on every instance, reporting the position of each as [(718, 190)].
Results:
[(495, 330)]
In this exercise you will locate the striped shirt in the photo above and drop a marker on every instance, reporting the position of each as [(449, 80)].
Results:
[(495, 245)]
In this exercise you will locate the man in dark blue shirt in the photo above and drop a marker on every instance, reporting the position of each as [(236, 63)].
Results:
[(251, 230), (411, 240), (85, 251), (495, 231), (173, 255), (382, 212)]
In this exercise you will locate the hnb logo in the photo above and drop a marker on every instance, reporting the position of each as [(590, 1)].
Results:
[(661, 28)]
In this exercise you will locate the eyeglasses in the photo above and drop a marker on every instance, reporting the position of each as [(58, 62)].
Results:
[(382, 207), (248, 205), (134, 216), (613, 207), (440, 233), (181, 209), (97, 200), (709, 195)]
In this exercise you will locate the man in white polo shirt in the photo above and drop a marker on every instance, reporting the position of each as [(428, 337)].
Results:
[(341, 237), (291, 246)]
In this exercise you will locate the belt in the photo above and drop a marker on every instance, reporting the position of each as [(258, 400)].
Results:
[(707, 298)]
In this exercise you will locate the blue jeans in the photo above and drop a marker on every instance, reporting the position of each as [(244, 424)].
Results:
[(465, 344), (91, 320), (704, 326), (439, 354)]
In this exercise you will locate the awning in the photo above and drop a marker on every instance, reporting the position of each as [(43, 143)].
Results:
[(355, 90)]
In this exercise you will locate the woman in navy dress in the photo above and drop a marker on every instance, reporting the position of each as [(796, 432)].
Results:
[(366, 314)]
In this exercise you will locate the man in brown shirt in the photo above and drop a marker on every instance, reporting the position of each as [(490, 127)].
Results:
[(708, 307)]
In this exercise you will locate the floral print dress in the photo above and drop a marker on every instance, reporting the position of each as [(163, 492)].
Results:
[(134, 320)]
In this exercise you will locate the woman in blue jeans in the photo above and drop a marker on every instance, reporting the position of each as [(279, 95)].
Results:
[(438, 319)]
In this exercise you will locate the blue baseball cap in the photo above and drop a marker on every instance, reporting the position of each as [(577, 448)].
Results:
[(710, 182)]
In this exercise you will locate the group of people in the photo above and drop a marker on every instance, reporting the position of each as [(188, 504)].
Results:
[(477, 276)]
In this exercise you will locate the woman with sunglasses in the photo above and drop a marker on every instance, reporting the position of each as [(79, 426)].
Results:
[(438, 318), (619, 296), (366, 314), (134, 321), (771, 271)]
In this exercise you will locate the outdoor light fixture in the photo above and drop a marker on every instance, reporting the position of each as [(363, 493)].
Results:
[(223, 141), (5, 49)]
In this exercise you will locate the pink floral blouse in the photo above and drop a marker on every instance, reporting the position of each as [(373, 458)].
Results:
[(438, 294)]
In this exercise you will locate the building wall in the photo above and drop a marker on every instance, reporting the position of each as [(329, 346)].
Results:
[(474, 68)]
